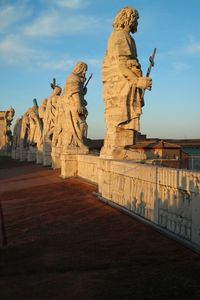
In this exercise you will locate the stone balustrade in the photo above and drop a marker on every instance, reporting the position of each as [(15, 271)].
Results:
[(166, 197)]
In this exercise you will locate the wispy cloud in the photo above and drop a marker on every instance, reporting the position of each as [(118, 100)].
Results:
[(180, 66), (193, 48), (59, 24), (72, 3), (10, 14), (66, 64), (14, 51), (63, 64)]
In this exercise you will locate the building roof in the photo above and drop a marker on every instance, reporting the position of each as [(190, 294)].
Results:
[(191, 151), (154, 144), (185, 143)]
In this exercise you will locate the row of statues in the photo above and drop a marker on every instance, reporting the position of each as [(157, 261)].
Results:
[(59, 124), (6, 118)]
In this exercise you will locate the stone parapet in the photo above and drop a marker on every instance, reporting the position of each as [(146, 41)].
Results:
[(169, 198)]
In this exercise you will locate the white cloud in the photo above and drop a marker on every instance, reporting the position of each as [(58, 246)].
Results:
[(72, 3), (10, 14), (14, 51), (180, 66), (56, 24), (62, 64), (193, 48), (66, 64)]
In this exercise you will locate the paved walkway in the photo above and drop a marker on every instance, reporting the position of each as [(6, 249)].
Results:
[(63, 243)]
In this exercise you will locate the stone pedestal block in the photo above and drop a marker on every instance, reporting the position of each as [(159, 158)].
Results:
[(47, 161), (39, 158), (13, 154), (69, 165), (23, 155), (56, 159), (31, 155)]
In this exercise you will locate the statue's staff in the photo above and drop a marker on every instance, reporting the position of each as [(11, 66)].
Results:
[(151, 59), (85, 85), (37, 113)]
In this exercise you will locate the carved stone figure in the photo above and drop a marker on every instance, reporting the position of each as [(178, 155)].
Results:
[(31, 135), (6, 118), (123, 84), (49, 122), (74, 126), (16, 139), (57, 136)]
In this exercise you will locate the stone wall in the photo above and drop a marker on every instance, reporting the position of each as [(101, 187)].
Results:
[(88, 167), (166, 197)]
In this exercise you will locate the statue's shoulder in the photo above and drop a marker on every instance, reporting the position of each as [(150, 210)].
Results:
[(73, 78), (120, 35)]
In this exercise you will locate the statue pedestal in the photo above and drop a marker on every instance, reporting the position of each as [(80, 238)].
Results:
[(115, 142), (56, 159), (31, 155), (17, 154), (23, 155), (39, 158), (13, 154), (69, 165), (117, 146), (69, 161), (47, 161)]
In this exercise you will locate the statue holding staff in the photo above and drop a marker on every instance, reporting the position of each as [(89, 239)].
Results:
[(123, 85)]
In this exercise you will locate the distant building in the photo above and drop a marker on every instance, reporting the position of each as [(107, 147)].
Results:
[(172, 153), (190, 153)]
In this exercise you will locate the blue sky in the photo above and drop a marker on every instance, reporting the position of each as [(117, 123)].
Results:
[(42, 39)]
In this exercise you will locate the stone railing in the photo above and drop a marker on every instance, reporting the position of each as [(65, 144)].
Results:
[(169, 198)]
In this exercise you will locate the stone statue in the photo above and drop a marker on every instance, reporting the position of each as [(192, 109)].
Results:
[(31, 135), (123, 85), (6, 118), (49, 122), (74, 126), (16, 138)]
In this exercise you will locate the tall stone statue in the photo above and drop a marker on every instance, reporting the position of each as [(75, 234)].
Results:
[(74, 126), (16, 139), (6, 118), (123, 85), (49, 120), (30, 136)]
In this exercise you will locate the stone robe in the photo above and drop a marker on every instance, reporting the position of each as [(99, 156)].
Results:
[(122, 98), (74, 120)]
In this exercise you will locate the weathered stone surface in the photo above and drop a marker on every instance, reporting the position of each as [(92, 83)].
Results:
[(6, 118), (123, 84), (72, 129), (69, 165), (30, 135), (88, 167), (49, 122), (16, 139), (74, 126), (167, 197)]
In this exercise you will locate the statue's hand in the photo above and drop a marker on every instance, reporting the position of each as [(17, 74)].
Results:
[(85, 90), (144, 83)]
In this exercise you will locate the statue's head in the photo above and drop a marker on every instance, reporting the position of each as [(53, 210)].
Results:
[(57, 90), (10, 113), (44, 102), (126, 19), (80, 69)]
